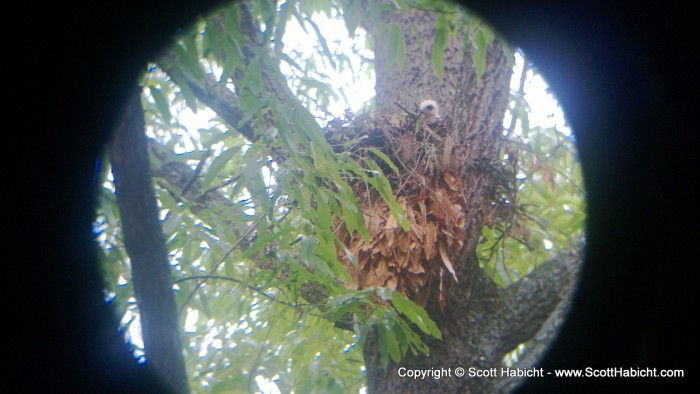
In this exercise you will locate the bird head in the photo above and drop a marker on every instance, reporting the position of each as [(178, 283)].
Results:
[(428, 109)]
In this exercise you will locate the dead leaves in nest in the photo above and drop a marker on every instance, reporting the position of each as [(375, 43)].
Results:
[(414, 262)]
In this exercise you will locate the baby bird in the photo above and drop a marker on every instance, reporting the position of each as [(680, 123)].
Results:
[(429, 110)]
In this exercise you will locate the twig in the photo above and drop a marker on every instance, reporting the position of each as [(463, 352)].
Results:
[(221, 261), (197, 171), (411, 114), (258, 290)]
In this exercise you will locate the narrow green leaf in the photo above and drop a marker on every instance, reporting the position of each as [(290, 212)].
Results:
[(383, 346), (232, 22), (439, 44), (392, 345), (188, 57), (218, 165), (161, 103), (211, 43), (354, 218), (253, 111), (353, 305), (384, 158), (181, 81), (482, 38), (381, 184), (166, 200), (397, 46), (488, 234), (233, 53), (401, 337), (415, 314)]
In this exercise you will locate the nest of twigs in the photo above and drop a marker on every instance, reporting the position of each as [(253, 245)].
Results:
[(429, 188)]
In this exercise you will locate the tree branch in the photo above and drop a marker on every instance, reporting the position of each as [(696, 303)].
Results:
[(531, 305), (259, 290), (145, 244), (535, 297), (212, 93)]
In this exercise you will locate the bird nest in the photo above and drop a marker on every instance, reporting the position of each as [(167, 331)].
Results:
[(426, 179)]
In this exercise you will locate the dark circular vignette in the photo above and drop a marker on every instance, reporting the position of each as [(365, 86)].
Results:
[(624, 81)]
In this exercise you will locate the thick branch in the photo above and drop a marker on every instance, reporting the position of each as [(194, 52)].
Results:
[(146, 247), (524, 308), (534, 298), (213, 94)]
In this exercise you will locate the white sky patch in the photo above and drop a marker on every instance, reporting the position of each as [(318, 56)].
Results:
[(351, 81), (548, 244), (267, 386), (545, 110), (191, 320)]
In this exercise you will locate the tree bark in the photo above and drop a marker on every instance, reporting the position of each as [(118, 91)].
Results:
[(144, 242), (481, 322)]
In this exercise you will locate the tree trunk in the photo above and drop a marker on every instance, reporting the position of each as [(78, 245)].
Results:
[(144, 242), (475, 107)]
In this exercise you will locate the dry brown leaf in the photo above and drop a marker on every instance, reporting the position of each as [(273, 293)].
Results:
[(390, 229), (391, 282), (423, 218), (403, 242), (430, 237), (414, 266), (446, 261), (452, 181)]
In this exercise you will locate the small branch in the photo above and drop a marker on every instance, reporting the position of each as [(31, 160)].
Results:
[(197, 171), (261, 291), (521, 94), (258, 290), (411, 114)]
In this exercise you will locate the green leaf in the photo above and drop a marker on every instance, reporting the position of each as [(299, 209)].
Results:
[(482, 38), (439, 44), (381, 184), (397, 46), (161, 103), (488, 234), (232, 22), (218, 165), (211, 43), (384, 158), (392, 343), (352, 304), (167, 201), (188, 57), (181, 81), (352, 214), (383, 346), (234, 54), (415, 314)]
